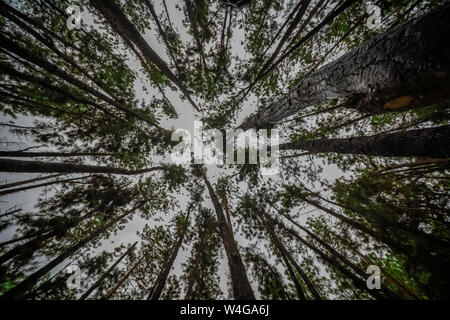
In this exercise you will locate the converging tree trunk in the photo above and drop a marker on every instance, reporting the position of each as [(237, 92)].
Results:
[(103, 277), (403, 68), (429, 142), (127, 30), (8, 165), (20, 289), (156, 290), (239, 281)]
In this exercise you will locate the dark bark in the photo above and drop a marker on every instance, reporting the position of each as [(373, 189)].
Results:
[(20, 289), (15, 184), (22, 154), (28, 55), (301, 9), (40, 185), (279, 244), (357, 281), (406, 67), (42, 236), (107, 272), (239, 281), (429, 143), (8, 165), (155, 292), (120, 24)]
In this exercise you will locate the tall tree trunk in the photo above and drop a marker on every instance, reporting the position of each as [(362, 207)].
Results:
[(279, 244), (403, 68), (429, 143), (20, 289), (14, 184), (156, 290), (40, 185), (239, 281), (120, 24), (24, 154), (28, 55), (358, 282), (8, 165), (103, 277)]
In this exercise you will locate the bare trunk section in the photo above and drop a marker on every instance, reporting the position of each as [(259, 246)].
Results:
[(239, 281), (156, 290), (20, 289), (8, 165), (100, 280), (429, 143), (123, 26), (406, 67)]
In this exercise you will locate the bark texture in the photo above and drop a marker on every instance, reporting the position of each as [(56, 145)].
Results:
[(8, 165), (239, 281), (406, 67), (429, 142)]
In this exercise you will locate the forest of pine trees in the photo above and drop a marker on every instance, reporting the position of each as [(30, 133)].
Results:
[(89, 104)]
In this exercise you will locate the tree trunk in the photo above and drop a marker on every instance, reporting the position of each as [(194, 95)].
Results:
[(155, 292), (8, 165), (239, 281), (10, 191), (26, 54), (14, 184), (279, 244), (100, 280), (20, 289), (406, 67), (120, 23), (24, 154), (358, 282), (429, 143)]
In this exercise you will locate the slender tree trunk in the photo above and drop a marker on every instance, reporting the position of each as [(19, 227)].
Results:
[(301, 7), (41, 237), (239, 281), (429, 142), (406, 67), (113, 290), (23, 154), (20, 289), (120, 23), (155, 292), (8, 165), (14, 184), (283, 252), (26, 54), (40, 185), (358, 282), (103, 277), (279, 244)]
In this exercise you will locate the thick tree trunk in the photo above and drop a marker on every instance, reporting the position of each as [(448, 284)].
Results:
[(155, 292), (428, 143), (103, 277), (8, 165), (120, 23), (20, 289), (239, 281), (403, 68)]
